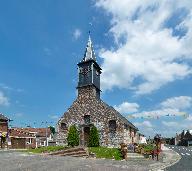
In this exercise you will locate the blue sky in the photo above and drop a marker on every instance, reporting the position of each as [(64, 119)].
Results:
[(143, 47)]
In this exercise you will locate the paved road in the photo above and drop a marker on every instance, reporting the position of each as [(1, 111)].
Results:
[(185, 164), (17, 161)]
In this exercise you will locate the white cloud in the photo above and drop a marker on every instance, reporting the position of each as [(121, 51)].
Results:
[(156, 114), (4, 101), (76, 34), (167, 113), (189, 118), (127, 107), (181, 102), (170, 124), (147, 50), (174, 106), (146, 128), (144, 124), (8, 88), (54, 117), (176, 126)]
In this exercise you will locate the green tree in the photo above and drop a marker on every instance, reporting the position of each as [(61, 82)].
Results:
[(52, 129), (73, 136), (93, 137)]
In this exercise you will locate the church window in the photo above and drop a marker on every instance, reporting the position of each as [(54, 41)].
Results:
[(112, 126), (87, 119), (126, 126), (63, 126)]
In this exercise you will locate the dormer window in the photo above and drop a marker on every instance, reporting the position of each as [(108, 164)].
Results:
[(112, 126), (87, 119)]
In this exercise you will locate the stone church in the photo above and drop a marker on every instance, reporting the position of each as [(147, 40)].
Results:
[(88, 109)]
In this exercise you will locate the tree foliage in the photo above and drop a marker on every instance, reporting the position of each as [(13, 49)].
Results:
[(52, 129), (73, 136), (93, 137)]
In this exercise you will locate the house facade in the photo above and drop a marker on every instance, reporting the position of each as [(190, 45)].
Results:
[(184, 139), (3, 130), (89, 109), (3, 123), (20, 138)]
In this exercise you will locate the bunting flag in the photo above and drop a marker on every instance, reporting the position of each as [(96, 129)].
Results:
[(32, 124), (151, 115)]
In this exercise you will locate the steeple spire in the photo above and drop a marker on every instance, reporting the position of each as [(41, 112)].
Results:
[(89, 52)]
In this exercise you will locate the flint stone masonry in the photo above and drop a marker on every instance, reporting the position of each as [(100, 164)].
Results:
[(100, 114)]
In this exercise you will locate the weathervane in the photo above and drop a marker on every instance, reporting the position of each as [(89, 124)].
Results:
[(90, 25)]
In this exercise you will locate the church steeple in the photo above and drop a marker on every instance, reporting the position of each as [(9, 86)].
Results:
[(89, 70), (89, 51)]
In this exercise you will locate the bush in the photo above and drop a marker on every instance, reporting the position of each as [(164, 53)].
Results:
[(46, 149), (73, 136), (108, 153), (149, 148), (93, 137), (145, 148)]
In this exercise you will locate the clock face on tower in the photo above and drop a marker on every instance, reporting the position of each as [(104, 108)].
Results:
[(89, 74)]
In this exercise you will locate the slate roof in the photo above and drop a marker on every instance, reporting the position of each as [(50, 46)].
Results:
[(122, 118), (2, 117), (188, 135)]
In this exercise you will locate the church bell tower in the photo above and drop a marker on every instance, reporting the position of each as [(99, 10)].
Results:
[(89, 70)]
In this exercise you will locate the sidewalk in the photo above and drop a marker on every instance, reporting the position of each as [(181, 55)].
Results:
[(168, 158), (9, 149)]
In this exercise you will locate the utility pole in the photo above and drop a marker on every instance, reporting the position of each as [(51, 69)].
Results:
[(46, 134)]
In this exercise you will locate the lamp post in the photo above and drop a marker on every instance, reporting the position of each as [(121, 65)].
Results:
[(46, 134)]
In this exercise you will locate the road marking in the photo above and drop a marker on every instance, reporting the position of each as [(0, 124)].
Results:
[(188, 154), (182, 154)]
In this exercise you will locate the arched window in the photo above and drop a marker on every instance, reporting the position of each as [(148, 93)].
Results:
[(126, 126), (63, 126), (112, 126), (87, 119)]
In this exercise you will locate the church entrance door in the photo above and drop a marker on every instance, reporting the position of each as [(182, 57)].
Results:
[(86, 135)]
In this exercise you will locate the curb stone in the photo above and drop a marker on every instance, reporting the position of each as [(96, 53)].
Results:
[(165, 164)]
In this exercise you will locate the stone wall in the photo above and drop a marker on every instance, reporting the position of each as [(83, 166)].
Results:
[(100, 115)]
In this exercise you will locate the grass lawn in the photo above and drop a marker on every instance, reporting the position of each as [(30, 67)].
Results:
[(108, 153), (46, 149)]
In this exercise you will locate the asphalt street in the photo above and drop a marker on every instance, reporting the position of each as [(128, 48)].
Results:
[(17, 161), (185, 164)]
